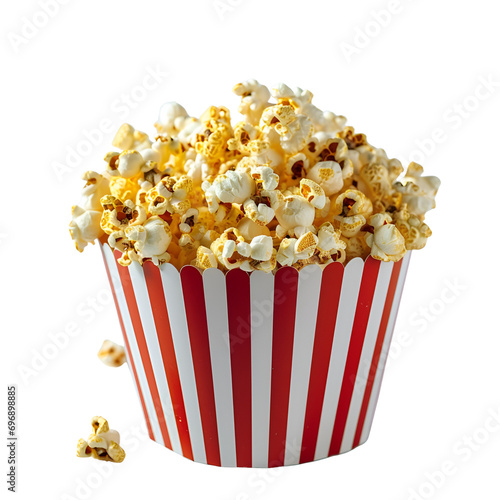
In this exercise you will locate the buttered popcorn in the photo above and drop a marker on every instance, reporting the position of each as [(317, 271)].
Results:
[(287, 185)]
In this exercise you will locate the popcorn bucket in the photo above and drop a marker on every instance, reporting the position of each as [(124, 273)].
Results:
[(255, 369)]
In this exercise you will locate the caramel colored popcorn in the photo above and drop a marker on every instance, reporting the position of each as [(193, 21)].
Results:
[(289, 184), (102, 444)]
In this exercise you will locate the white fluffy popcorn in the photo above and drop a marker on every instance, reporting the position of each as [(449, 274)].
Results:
[(254, 99), (150, 239), (85, 226), (328, 175), (95, 188), (418, 191), (231, 187), (386, 242), (294, 212), (301, 101), (129, 164), (261, 248), (261, 213), (171, 118)]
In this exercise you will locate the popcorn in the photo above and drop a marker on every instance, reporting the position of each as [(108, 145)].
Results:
[(229, 259), (170, 195), (205, 258), (95, 188), (102, 444), (128, 164), (249, 229), (297, 166), (313, 193), (414, 231), (287, 185), (386, 242), (171, 118), (188, 220), (301, 101), (151, 239), (231, 187), (261, 247), (124, 138), (265, 178), (119, 215), (261, 214), (328, 175), (418, 191), (295, 212), (84, 226), (293, 130), (286, 252), (306, 245), (254, 97), (112, 354)]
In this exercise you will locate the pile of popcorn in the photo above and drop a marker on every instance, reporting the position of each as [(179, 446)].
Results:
[(288, 185)]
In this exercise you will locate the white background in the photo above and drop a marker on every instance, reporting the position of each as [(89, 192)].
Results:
[(417, 76)]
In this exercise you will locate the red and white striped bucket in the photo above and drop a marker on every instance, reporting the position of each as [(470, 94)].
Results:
[(255, 369)]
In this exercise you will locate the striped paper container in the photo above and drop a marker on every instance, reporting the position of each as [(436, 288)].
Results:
[(255, 369)]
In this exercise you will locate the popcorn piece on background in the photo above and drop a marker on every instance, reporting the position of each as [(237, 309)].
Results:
[(112, 354), (95, 188), (254, 99), (102, 444), (418, 191), (85, 226), (171, 118)]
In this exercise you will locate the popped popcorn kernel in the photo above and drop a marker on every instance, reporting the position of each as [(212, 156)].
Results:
[(102, 444), (112, 354)]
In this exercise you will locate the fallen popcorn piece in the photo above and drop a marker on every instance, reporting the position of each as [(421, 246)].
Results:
[(112, 354), (102, 444)]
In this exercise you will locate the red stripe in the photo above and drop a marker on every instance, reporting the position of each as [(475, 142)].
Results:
[(365, 297), (143, 348), (194, 302), (130, 360), (162, 323), (239, 322), (331, 286), (378, 349), (285, 299)]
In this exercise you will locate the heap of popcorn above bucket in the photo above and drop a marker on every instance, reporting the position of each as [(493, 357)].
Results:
[(257, 270), (288, 185)]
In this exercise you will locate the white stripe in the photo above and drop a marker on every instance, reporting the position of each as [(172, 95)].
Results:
[(306, 314), (372, 328), (262, 302), (134, 349), (174, 299), (385, 350), (115, 281), (214, 286), (341, 339), (151, 335)]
